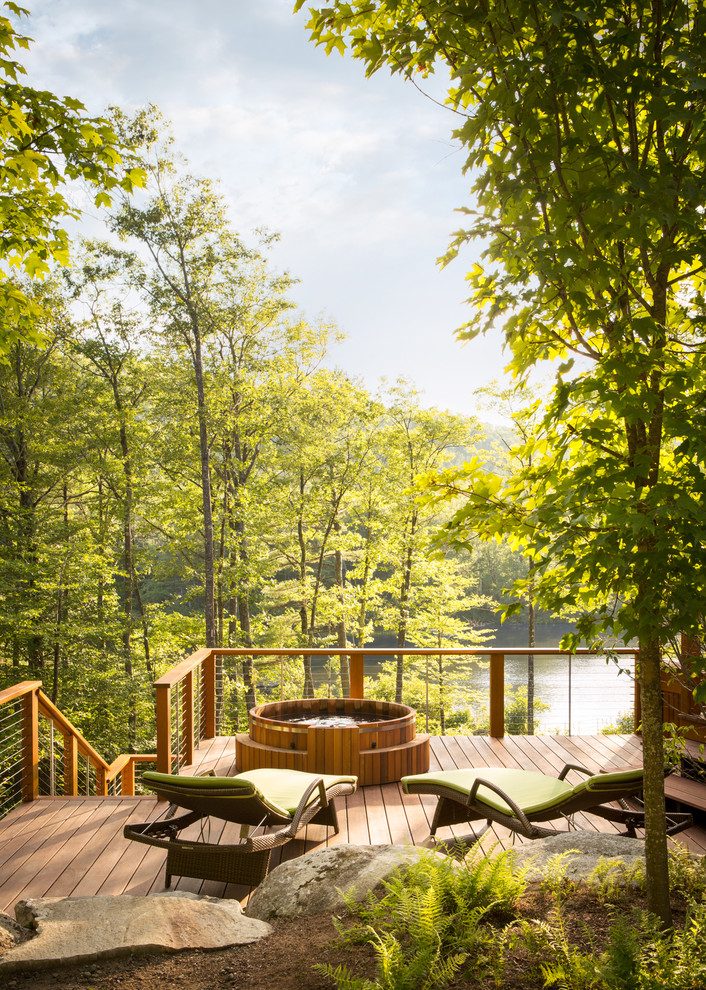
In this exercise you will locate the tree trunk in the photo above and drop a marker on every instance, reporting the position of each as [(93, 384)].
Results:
[(246, 633), (362, 613), (60, 603), (442, 708), (308, 688), (656, 859), (342, 638), (128, 571), (57, 645), (208, 540), (145, 629), (530, 656), (404, 608), (100, 591)]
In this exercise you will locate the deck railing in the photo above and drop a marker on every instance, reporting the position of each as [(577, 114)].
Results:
[(190, 696), (43, 754)]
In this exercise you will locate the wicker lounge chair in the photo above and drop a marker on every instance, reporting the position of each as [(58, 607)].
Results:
[(285, 800), (519, 799)]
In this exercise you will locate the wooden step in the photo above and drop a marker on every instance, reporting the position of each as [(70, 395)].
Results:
[(690, 793)]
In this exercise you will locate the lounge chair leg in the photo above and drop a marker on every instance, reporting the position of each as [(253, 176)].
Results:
[(459, 846)]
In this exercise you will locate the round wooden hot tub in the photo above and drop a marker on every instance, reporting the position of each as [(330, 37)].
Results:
[(375, 740)]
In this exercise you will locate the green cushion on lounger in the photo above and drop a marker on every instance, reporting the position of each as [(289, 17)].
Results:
[(532, 792), (609, 781), (286, 787), (280, 790), (200, 783)]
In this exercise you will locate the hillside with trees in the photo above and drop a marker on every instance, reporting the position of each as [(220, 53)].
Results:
[(181, 466)]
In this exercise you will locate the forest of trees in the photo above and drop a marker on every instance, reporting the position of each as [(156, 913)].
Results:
[(182, 467)]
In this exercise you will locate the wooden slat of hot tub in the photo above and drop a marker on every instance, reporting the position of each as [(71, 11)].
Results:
[(338, 749), (350, 751), (251, 755), (383, 765)]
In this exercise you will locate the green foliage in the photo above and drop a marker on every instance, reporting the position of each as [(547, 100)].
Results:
[(554, 878), (687, 874), (100, 511), (613, 880), (570, 968), (516, 712), (676, 961), (398, 969), (443, 912), (435, 910), (618, 966), (625, 723), (45, 144), (639, 954), (588, 174)]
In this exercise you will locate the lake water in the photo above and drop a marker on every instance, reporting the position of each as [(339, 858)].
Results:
[(584, 693)]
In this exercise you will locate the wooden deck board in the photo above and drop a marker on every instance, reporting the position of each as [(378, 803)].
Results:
[(60, 847)]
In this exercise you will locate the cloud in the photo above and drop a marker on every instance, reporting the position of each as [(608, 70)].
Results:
[(359, 176)]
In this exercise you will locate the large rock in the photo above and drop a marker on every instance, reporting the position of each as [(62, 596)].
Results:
[(11, 934), (584, 852), (79, 929), (316, 883)]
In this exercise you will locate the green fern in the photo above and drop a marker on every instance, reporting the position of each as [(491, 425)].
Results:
[(619, 965), (344, 979), (574, 972), (687, 876), (676, 960), (554, 878), (491, 880), (421, 967), (613, 880)]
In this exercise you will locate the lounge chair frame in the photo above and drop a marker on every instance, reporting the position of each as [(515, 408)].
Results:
[(246, 862), (455, 808)]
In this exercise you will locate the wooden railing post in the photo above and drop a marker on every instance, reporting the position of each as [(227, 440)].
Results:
[(30, 746), (637, 711), (101, 779), (70, 764), (127, 779), (208, 673), (357, 669), (188, 688), (497, 695), (163, 704)]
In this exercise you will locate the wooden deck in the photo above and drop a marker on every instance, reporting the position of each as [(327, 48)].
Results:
[(74, 846)]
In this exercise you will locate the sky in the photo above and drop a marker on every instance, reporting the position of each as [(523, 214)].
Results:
[(359, 177)]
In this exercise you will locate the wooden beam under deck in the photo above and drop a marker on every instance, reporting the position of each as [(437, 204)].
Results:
[(74, 846)]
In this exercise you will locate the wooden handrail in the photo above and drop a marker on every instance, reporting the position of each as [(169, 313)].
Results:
[(385, 651), (183, 673), (50, 711), (17, 690), (125, 766), (177, 673), (122, 761), (35, 703)]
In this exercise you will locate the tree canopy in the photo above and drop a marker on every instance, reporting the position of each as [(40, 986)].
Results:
[(585, 134), (46, 143)]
